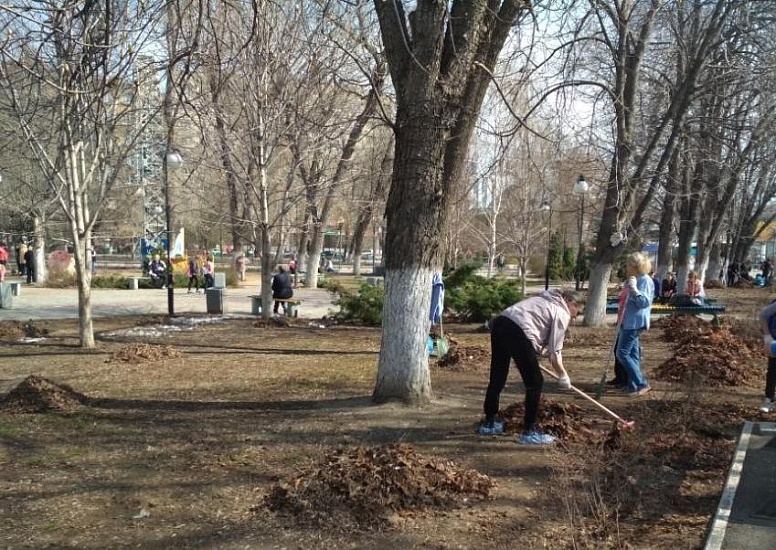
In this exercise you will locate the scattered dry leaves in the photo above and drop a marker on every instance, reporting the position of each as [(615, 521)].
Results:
[(144, 353)]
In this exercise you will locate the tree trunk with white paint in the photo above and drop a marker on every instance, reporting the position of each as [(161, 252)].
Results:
[(440, 57)]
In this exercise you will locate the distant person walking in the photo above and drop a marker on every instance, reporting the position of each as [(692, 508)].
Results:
[(193, 271), (208, 272), (29, 266)]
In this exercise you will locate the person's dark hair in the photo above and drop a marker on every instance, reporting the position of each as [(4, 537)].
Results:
[(281, 269)]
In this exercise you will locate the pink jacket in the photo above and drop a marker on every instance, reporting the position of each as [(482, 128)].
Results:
[(544, 319)]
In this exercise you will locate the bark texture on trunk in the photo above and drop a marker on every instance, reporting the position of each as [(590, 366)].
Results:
[(404, 338), (441, 56)]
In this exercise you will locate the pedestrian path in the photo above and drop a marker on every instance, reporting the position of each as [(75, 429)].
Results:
[(746, 516), (34, 302)]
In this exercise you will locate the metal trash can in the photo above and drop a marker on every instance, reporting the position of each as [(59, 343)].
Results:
[(6, 296), (215, 300)]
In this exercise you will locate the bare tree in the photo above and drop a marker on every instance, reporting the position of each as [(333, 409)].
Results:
[(77, 63)]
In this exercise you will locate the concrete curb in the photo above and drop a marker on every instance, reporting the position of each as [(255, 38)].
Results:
[(719, 524)]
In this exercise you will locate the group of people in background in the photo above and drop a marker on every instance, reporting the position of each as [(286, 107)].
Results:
[(665, 290), (25, 261), (197, 267)]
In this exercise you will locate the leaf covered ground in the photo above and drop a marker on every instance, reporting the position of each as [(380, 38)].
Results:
[(246, 434)]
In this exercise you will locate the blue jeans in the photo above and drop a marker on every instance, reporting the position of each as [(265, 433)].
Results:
[(629, 354)]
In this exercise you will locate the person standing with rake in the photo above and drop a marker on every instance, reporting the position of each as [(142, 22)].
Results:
[(637, 309), (522, 332)]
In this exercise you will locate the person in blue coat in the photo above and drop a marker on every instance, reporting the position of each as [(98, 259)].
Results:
[(437, 305), (638, 306)]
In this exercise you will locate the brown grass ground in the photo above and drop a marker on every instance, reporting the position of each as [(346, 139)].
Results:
[(181, 437)]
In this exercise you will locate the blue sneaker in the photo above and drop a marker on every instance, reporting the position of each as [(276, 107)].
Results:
[(491, 427), (535, 438)]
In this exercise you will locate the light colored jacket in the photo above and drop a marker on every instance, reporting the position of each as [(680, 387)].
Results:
[(544, 320), (638, 306)]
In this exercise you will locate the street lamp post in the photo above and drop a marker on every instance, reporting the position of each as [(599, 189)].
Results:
[(580, 188), (172, 161), (546, 207)]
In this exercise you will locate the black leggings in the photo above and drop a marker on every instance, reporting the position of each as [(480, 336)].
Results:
[(508, 341), (770, 378), (194, 279)]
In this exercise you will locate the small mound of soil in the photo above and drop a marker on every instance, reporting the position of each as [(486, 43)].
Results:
[(362, 487), (36, 394), (144, 353), (465, 358)]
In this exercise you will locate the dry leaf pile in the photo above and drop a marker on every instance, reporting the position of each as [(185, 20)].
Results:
[(363, 486), (13, 331), (36, 394), (566, 421), (143, 353), (710, 354), (465, 358)]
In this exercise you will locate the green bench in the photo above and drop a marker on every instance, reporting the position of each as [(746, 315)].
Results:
[(664, 309)]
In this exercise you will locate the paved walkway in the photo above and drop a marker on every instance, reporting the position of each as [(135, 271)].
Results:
[(746, 516), (35, 302)]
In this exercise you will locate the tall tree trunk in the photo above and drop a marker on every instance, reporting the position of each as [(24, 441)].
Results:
[(440, 56)]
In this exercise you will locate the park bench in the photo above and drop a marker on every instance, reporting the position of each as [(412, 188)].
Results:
[(665, 309), (291, 305)]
